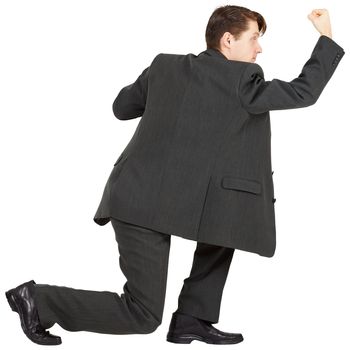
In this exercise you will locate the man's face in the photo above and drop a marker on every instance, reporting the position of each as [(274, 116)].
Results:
[(246, 48)]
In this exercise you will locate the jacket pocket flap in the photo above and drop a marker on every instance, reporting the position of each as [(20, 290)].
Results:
[(235, 183)]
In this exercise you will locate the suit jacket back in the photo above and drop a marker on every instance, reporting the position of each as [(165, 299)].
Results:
[(199, 163)]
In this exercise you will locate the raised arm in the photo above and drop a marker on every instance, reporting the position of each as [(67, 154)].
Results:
[(259, 96)]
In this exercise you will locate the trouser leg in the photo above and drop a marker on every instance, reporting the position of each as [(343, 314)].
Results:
[(144, 262), (202, 291)]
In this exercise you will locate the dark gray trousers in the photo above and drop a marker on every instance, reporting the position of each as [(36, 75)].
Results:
[(143, 259)]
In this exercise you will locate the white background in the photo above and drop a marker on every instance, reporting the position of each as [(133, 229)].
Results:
[(62, 65)]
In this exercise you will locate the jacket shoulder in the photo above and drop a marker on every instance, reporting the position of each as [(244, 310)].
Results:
[(251, 70), (171, 56)]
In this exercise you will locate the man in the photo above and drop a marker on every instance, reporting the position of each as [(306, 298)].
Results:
[(197, 167)]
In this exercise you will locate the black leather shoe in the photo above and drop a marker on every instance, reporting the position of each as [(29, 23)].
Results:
[(185, 328), (21, 300)]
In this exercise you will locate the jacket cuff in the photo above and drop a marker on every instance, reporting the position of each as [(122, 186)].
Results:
[(334, 52)]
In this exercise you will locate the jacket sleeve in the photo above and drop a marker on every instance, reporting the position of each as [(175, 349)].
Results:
[(131, 100), (259, 96)]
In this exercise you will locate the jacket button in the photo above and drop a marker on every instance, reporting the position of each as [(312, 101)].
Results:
[(273, 200)]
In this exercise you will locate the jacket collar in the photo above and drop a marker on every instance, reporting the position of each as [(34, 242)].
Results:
[(214, 53)]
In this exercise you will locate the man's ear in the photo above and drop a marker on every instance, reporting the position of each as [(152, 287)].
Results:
[(225, 39)]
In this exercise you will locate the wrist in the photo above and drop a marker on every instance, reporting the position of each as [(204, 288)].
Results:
[(328, 33)]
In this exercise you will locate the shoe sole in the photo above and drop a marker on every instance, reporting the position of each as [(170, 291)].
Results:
[(14, 306), (188, 338)]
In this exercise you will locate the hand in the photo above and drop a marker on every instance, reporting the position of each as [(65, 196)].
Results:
[(320, 20)]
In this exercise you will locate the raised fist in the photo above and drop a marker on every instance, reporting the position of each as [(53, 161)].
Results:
[(320, 20)]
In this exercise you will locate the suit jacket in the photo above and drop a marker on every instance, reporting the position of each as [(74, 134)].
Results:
[(199, 163)]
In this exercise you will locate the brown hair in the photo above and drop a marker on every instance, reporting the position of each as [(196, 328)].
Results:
[(233, 19)]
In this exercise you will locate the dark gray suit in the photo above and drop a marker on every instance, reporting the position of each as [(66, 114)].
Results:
[(199, 163), (198, 167)]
